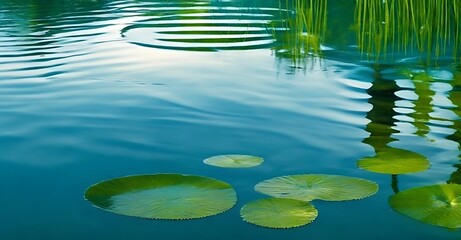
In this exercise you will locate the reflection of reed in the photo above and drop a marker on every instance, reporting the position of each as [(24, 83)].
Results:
[(430, 26), (423, 104), (387, 159), (382, 114), (455, 97)]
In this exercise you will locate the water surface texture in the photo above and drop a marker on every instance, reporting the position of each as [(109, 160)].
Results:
[(94, 90)]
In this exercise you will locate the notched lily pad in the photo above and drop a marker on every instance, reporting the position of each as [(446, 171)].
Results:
[(278, 213), (394, 161), (438, 205), (308, 187), (234, 161), (163, 196)]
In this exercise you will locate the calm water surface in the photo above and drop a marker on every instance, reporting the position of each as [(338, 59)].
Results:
[(93, 90)]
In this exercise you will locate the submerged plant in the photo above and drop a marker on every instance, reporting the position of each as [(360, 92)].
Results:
[(163, 196)]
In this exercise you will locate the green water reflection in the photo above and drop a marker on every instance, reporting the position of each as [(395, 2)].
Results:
[(293, 33), (455, 98), (382, 115), (381, 127), (295, 30)]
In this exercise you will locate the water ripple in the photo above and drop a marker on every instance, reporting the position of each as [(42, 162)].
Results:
[(193, 26)]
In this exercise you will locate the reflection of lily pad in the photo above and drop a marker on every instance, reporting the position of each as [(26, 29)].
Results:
[(308, 187), (438, 205), (234, 161), (163, 196), (394, 161), (279, 213)]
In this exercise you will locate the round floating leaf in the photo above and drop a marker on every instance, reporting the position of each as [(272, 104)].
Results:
[(234, 161), (394, 161), (308, 187), (163, 196), (438, 205), (278, 213)]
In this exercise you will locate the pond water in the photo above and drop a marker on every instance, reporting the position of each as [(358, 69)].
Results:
[(94, 90)]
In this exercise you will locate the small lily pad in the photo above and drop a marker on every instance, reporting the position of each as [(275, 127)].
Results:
[(163, 196), (307, 187), (438, 205), (234, 161), (278, 213), (394, 161)]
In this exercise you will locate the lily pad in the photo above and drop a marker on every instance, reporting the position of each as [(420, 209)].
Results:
[(234, 161), (394, 161), (307, 187), (278, 213), (438, 205), (163, 196)]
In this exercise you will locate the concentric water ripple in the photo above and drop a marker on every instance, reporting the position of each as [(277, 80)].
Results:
[(200, 27)]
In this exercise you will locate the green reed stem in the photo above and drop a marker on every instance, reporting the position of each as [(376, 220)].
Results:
[(430, 26), (305, 24)]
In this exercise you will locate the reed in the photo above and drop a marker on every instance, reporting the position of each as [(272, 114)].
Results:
[(384, 28), (432, 27), (305, 23)]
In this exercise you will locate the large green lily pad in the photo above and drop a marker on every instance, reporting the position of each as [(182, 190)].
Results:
[(163, 196), (279, 213), (394, 161), (307, 187), (438, 205), (234, 161)]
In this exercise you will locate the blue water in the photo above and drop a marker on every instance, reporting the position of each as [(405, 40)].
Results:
[(83, 99)]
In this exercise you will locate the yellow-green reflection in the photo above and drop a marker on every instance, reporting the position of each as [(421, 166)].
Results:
[(423, 104)]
